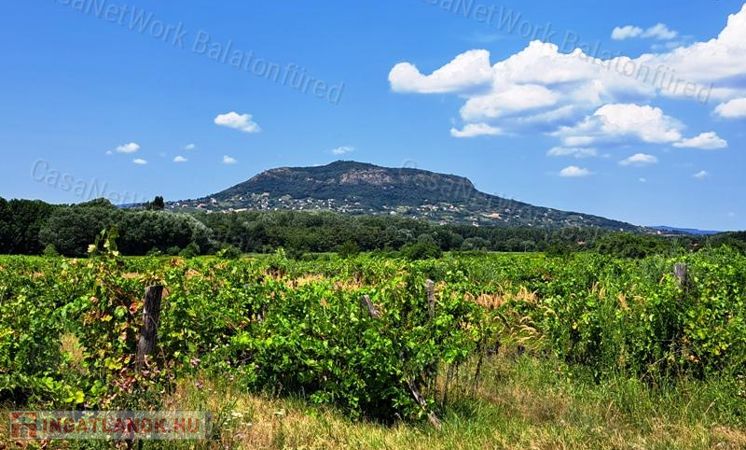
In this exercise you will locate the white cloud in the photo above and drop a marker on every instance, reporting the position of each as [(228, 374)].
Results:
[(467, 71), (643, 180), (190, 147), (617, 122), (734, 109), (474, 130), (625, 123), (577, 152), (516, 98), (701, 175), (646, 122), (544, 87), (574, 172), (658, 31), (639, 159), (241, 122), (229, 160), (180, 159), (626, 32), (705, 141), (139, 161), (343, 150), (577, 141), (721, 61), (132, 147)]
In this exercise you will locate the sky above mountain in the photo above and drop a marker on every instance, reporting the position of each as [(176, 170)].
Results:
[(632, 110)]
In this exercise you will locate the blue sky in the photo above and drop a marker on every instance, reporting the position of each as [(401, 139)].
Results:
[(496, 95)]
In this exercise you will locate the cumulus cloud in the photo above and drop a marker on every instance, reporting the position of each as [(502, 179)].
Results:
[(139, 161), (229, 160), (241, 122), (576, 152), (518, 98), (721, 60), (734, 109), (565, 90), (180, 159), (626, 32), (467, 71), (616, 122), (658, 31), (639, 159), (343, 150), (623, 123), (705, 141), (190, 147), (574, 172), (701, 175), (474, 130), (132, 147)]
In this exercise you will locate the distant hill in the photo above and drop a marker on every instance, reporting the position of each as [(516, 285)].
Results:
[(365, 189), (690, 231)]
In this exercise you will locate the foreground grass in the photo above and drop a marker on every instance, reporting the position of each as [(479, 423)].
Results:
[(524, 403), (520, 404)]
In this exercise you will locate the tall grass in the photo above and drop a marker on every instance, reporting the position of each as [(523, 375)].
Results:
[(521, 402)]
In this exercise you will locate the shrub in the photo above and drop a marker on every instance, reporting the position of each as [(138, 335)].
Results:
[(50, 251), (229, 252), (190, 251), (421, 250), (348, 249)]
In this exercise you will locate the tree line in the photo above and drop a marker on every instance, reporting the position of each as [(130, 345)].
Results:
[(34, 227)]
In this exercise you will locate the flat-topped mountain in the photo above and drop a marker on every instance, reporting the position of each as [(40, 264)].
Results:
[(359, 188)]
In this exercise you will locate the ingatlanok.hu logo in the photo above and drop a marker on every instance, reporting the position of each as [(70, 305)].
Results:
[(109, 425)]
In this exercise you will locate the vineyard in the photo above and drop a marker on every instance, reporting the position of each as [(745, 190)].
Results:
[(376, 339)]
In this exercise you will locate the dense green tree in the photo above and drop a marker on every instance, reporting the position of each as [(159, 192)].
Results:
[(72, 229), (475, 243), (142, 231), (421, 250), (20, 224), (158, 204), (629, 245)]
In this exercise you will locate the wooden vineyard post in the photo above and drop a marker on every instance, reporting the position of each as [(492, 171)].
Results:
[(430, 289), (374, 313), (151, 319), (431, 417), (432, 372), (372, 310), (681, 271)]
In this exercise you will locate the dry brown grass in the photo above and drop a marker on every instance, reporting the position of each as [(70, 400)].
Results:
[(506, 410), (351, 285), (729, 438), (498, 299), (306, 280), (74, 352)]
